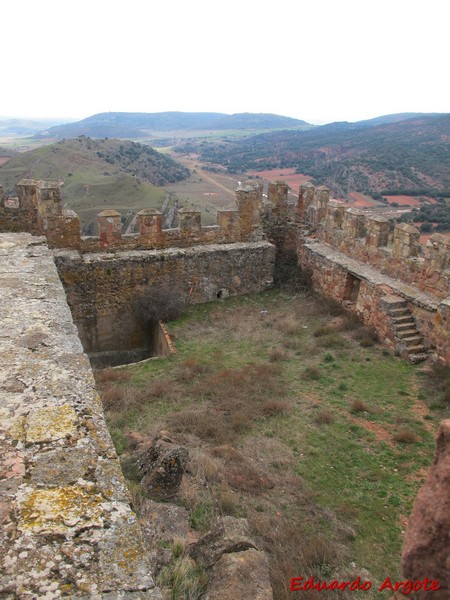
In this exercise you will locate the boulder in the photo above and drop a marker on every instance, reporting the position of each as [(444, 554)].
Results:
[(426, 549), (240, 575), (162, 465), (228, 535)]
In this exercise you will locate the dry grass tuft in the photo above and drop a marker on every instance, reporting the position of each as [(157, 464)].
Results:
[(324, 417), (107, 375), (277, 354), (312, 373), (406, 436), (357, 406)]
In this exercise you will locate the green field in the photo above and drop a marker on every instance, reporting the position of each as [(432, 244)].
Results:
[(296, 419)]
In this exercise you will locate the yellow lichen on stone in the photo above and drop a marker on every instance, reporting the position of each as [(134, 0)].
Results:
[(16, 430), (59, 509), (50, 423)]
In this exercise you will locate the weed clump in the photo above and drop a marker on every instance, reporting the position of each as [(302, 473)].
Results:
[(406, 436), (357, 406), (312, 373), (324, 417)]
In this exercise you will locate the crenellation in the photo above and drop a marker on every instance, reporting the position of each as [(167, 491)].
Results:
[(277, 197), (249, 202), (437, 252), (354, 224), (406, 242), (109, 228), (377, 231)]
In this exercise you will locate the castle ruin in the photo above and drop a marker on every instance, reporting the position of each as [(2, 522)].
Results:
[(68, 529)]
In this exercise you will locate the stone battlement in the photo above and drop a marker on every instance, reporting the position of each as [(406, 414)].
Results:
[(382, 273), (369, 237), (38, 210)]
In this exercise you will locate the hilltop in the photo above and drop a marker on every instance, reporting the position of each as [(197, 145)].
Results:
[(391, 154), (96, 174), (141, 125)]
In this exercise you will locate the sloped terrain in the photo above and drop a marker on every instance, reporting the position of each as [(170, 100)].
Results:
[(98, 174), (410, 155)]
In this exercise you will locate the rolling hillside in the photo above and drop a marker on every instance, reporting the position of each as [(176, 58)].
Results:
[(98, 174), (392, 154), (140, 125)]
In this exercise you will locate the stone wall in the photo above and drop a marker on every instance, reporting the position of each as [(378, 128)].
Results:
[(363, 290), (367, 237), (356, 259), (102, 288), (67, 529)]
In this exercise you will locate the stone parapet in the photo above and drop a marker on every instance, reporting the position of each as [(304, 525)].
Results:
[(39, 211), (338, 275), (67, 527), (368, 238)]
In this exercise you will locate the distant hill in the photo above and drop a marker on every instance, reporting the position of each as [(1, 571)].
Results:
[(391, 154), (98, 174), (139, 125), (23, 127)]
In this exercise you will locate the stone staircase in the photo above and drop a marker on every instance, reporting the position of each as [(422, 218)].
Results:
[(409, 342)]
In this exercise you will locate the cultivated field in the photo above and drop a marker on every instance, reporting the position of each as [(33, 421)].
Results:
[(295, 418)]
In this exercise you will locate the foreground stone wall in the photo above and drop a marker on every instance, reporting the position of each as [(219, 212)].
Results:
[(102, 288), (67, 529)]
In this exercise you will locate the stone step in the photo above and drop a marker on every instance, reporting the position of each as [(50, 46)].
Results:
[(397, 312), (406, 333), (419, 349), (412, 341), (404, 327), (404, 319), (393, 304), (419, 357)]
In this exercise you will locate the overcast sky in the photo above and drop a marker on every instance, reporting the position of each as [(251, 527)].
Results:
[(317, 60)]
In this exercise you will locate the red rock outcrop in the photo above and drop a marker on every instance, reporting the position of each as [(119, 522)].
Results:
[(426, 550)]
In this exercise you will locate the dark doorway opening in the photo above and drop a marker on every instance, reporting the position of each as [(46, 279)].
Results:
[(352, 286)]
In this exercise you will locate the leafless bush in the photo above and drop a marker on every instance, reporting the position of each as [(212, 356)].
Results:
[(159, 303)]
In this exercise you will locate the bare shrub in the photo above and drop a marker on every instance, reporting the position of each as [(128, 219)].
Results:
[(328, 306), (294, 548), (277, 354), (289, 325), (227, 501), (191, 368), (323, 330), (120, 397), (439, 380), (312, 373), (332, 340), (357, 406), (203, 466), (350, 322), (243, 477), (204, 423), (159, 303), (367, 336), (159, 389), (406, 436), (271, 408), (324, 417), (108, 375)]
